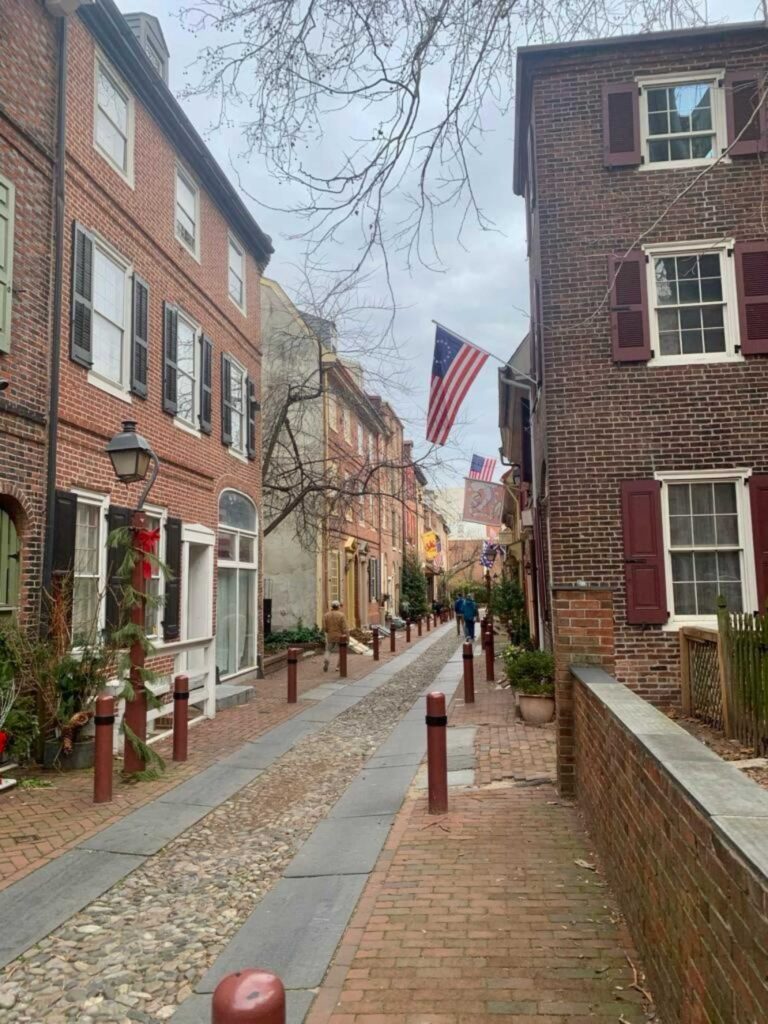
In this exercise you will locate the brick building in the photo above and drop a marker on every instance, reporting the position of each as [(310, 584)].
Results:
[(159, 324), (649, 287), (29, 51)]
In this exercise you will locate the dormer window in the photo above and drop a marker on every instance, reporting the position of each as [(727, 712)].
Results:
[(149, 34)]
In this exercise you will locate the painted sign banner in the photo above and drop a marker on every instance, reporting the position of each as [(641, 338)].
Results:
[(483, 502), (431, 545)]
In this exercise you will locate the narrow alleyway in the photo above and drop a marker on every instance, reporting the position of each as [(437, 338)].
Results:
[(492, 912)]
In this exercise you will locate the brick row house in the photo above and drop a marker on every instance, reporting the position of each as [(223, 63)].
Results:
[(641, 160), (157, 322)]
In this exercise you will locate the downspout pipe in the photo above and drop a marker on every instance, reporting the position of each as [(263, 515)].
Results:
[(58, 291)]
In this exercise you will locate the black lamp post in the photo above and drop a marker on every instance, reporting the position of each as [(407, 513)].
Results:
[(131, 457)]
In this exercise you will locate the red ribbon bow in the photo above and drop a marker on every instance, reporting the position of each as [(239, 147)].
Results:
[(3, 740), (146, 541)]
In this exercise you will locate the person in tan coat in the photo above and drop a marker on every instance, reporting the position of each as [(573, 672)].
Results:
[(335, 626)]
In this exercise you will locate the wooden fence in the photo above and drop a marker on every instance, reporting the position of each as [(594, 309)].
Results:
[(724, 675)]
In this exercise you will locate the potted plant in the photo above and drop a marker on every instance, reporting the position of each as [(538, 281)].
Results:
[(76, 681), (532, 675)]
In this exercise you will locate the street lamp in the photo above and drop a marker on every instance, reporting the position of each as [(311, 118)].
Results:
[(131, 457)]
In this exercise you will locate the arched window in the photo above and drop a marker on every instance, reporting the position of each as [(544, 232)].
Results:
[(236, 606)]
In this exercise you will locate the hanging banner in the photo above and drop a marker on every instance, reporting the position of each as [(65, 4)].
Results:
[(483, 502), (431, 543)]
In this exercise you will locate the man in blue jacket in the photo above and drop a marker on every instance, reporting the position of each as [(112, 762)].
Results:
[(470, 614), (458, 607)]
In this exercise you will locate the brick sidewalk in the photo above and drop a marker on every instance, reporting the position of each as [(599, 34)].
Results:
[(484, 914), (40, 824)]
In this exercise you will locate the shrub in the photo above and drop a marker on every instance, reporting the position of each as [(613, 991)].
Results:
[(531, 672), (288, 637)]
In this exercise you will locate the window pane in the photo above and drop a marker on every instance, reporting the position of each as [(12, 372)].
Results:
[(703, 530), (658, 124), (668, 320), (690, 319), (185, 356), (85, 610), (185, 398), (685, 598), (247, 618), (703, 147), (680, 531), (727, 529), (679, 499), (682, 567), (714, 341), (725, 497), (236, 510), (706, 566), (689, 290), (733, 596), (702, 499), (669, 344), (185, 196), (692, 342), (246, 549), (226, 621), (706, 598), (226, 546), (107, 350), (87, 539), (729, 566), (152, 610), (111, 141), (658, 152), (112, 101), (679, 149), (712, 316), (666, 287), (657, 99)]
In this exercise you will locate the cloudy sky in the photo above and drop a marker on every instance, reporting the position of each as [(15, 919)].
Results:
[(482, 291)]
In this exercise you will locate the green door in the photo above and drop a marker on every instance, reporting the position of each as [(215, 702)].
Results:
[(9, 566)]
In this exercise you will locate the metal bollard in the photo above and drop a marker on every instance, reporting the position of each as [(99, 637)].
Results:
[(489, 654), (293, 671), (343, 641), (375, 632), (102, 764), (469, 673), (407, 631), (437, 753), (180, 717), (249, 997), (392, 639), (418, 625)]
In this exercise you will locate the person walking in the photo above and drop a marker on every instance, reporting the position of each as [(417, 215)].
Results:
[(458, 608), (335, 626), (470, 615)]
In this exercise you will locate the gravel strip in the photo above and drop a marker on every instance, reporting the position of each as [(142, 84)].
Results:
[(137, 952)]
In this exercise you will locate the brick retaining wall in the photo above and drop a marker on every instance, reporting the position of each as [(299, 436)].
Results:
[(683, 836)]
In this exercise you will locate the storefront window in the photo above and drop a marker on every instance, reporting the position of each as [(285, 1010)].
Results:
[(237, 584)]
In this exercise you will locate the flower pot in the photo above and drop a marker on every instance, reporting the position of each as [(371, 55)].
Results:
[(536, 708), (81, 755)]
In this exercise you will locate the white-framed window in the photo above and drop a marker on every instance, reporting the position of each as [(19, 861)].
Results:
[(187, 212), (111, 316), (334, 575), (155, 585), (237, 402), (188, 372), (113, 120), (682, 119), (237, 273), (693, 303), (708, 544), (236, 602), (89, 569)]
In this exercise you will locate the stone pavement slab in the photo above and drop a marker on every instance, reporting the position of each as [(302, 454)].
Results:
[(147, 830), (341, 846), (375, 791), (210, 787), (41, 901)]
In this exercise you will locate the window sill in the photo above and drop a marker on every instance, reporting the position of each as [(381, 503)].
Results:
[(193, 431), (238, 307), (238, 455), (109, 389), (127, 176), (682, 165), (698, 621), (696, 360), (194, 253)]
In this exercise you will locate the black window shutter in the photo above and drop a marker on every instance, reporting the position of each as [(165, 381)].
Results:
[(140, 337), (81, 334), (226, 400), (170, 355), (117, 517), (64, 528), (253, 408), (172, 614), (206, 385)]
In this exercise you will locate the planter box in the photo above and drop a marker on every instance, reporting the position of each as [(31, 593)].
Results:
[(536, 709), (80, 757)]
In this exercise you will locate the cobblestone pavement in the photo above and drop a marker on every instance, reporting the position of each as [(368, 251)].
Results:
[(137, 952), (495, 911), (40, 824)]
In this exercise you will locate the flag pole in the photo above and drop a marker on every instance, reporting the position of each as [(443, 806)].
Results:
[(504, 362)]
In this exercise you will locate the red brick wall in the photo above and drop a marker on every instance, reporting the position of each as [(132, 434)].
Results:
[(608, 422), (696, 908), (139, 223), (28, 53)]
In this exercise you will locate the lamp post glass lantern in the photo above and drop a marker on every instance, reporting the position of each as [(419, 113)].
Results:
[(131, 456)]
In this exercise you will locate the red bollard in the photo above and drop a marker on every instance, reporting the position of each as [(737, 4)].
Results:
[(180, 717), (343, 641), (469, 673), (293, 661), (418, 625), (375, 631), (437, 753), (407, 631), (489, 654), (392, 638), (104, 720), (249, 997), (428, 624)]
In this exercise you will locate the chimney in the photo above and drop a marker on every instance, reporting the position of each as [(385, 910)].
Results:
[(147, 30)]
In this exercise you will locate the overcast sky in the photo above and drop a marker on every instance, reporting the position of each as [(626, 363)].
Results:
[(483, 290)]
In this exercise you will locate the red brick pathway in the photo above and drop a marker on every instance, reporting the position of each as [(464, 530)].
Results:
[(484, 915), (40, 824)]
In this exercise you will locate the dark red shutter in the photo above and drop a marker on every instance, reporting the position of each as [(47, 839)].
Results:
[(752, 286), (621, 125), (630, 335), (742, 94), (758, 498), (643, 552)]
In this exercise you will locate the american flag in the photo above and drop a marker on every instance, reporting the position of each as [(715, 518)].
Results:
[(455, 365), (481, 469)]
